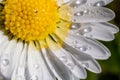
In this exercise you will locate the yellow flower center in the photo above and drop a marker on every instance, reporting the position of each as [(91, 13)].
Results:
[(30, 19)]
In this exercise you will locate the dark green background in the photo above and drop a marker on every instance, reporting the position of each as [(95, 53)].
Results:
[(111, 67)]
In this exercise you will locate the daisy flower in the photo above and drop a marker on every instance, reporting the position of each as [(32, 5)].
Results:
[(53, 39)]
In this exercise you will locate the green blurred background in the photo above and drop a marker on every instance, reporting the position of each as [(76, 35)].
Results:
[(111, 67)]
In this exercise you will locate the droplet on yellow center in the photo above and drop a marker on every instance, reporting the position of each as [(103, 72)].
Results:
[(30, 19)]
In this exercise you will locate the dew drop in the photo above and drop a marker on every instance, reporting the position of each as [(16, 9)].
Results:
[(81, 13), (5, 62), (83, 48), (77, 3), (63, 58), (99, 3), (87, 30), (75, 26), (74, 42), (36, 66)]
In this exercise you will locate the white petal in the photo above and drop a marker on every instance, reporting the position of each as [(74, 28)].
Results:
[(85, 60), (55, 65), (66, 59), (16, 58), (48, 63), (36, 66), (59, 67), (93, 30), (3, 44), (84, 14), (98, 2), (112, 28), (96, 50), (75, 27), (77, 3), (66, 1), (61, 70), (62, 2), (19, 70), (3, 38), (100, 31), (6, 59)]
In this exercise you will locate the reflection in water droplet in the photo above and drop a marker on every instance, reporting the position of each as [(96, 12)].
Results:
[(77, 3), (87, 30), (99, 3), (81, 13), (63, 58), (75, 26), (5, 62), (36, 66), (83, 48)]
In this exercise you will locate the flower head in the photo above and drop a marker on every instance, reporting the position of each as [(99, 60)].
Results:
[(49, 39)]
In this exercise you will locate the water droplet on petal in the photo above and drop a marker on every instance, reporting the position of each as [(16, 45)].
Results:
[(86, 11), (77, 3), (81, 13), (86, 30), (75, 26), (83, 48), (99, 3), (74, 42), (5, 62), (36, 66), (63, 58)]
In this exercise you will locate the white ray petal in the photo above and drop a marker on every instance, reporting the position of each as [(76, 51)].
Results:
[(6, 59), (64, 57), (3, 44), (85, 60), (16, 55), (101, 31), (19, 70), (96, 50), (56, 66), (48, 62), (62, 2), (77, 3), (3, 37), (98, 2), (95, 31), (36, 65), (61, 70), (84, 14), (112, 28)]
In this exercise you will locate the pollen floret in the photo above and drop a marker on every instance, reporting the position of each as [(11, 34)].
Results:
[(30, 19)]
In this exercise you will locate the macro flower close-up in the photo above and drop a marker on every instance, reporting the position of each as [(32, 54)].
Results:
[(53, 39)]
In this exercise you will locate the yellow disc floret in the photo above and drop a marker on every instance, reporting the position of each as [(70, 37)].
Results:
[(30, 19)]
